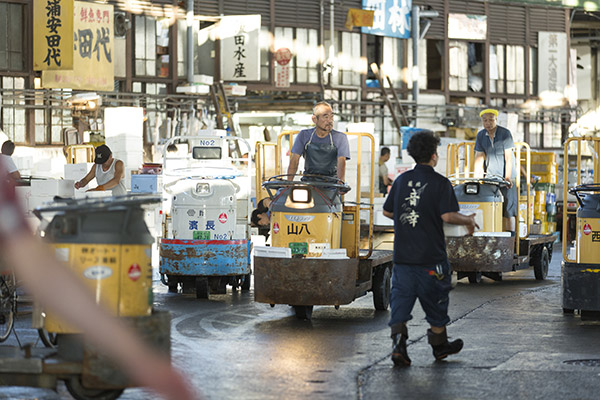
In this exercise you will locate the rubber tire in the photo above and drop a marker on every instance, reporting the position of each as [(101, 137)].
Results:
[(382, 287), (540, 264), (49, 339), (474, 277), (202, 288), (246, 283), (8, 288), (80, 393), (303, 312), (172, 284)]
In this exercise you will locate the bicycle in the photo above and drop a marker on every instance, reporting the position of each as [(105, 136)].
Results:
[(8, 303)]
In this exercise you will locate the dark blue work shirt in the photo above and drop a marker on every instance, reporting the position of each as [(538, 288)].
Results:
[(494, 152), (418, 199)]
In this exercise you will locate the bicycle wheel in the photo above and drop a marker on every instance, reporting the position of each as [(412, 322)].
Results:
[(8, 304)]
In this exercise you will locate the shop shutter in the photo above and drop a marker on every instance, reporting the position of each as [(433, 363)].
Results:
[(507, 24), (206, 7), (546, 19), (436, 29), (242, 7), (297, 13), (341, 11), (467, 7)]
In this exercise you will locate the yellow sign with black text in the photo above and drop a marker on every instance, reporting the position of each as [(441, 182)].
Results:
[(52, 35), (93, 63)]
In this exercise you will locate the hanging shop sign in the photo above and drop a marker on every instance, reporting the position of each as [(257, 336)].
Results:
[(240, 47), (468, 27), (283, 56), (93, 63), (390, 17), (552, 62), (52, 34)]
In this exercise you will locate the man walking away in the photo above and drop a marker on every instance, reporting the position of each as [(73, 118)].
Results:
[(420, 201)]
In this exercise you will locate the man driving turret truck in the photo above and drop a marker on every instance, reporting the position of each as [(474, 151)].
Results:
[(494, 147), (325, 150)]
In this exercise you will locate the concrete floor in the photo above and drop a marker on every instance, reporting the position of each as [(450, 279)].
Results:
[(518, 344)]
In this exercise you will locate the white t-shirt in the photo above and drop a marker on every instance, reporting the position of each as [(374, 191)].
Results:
[(104, 176), (9, 164)]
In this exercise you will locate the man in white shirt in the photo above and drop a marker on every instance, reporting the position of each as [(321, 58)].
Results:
[(108, 171), (8, 148)]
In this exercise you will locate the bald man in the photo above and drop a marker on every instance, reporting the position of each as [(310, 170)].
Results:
[(494, 156)]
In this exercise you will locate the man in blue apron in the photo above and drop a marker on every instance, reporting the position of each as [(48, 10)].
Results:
[(494, 148), (325, 150)]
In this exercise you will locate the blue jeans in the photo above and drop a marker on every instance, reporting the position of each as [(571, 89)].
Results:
[(430, 285)]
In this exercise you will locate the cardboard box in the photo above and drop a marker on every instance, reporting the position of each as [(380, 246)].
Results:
[(53, 187), (146, 183)]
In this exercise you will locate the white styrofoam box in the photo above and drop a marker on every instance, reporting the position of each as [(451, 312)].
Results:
[(146, 183), (381, 220), (123, 121), (23, 163), (125, 143), (23, 194), (277, 252), (53, 187), (77, 171), (235, 90), (204, 79), (94, 194)]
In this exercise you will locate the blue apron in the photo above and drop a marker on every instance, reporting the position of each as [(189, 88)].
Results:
[(320, 159)]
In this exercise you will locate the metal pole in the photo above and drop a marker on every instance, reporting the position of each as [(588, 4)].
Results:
[(415, 45), (331, 37), (189, 18)]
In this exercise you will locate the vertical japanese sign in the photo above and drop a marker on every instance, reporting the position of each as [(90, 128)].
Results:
[(283, 57), (552, 62), (52, 34), (93, 64), (240, 50), (391, 17)]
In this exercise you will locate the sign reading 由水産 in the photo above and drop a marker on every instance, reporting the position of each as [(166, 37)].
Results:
[(93, 63), (52, 35)]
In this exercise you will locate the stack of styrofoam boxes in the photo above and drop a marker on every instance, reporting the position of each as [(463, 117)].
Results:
[(123, 133), (378, 218), (44, 190), (77, 172)]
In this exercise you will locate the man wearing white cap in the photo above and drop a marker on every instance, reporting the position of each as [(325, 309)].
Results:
[(494, 155)]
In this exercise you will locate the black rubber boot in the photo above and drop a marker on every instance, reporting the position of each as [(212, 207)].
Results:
[(442, 348), (399, 338)]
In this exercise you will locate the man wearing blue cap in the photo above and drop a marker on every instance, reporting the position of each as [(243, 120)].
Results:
[(494, 155)]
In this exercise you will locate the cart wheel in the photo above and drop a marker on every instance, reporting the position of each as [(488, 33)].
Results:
[(540, 264), (49, 339), (474, 277), (172, 283), (303, 312), (8, 304), (80, 393), (202, 289), (246, 283), (382, 286)]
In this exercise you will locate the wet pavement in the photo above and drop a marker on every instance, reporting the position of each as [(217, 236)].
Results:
[(518, 345)]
